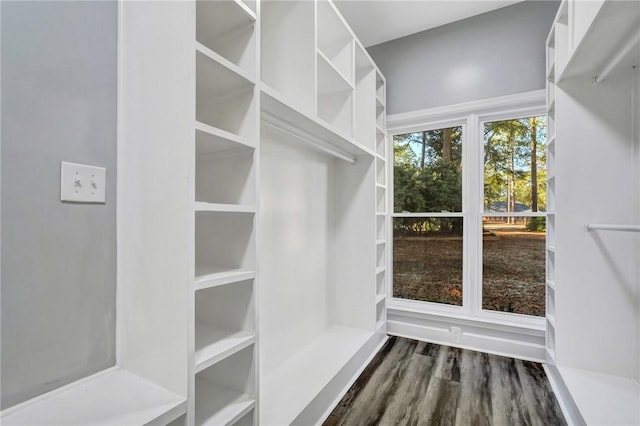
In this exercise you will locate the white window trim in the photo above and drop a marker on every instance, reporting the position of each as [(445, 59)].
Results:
[(472, 116)]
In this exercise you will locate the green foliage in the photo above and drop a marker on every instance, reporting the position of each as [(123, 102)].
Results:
[(537, 224)]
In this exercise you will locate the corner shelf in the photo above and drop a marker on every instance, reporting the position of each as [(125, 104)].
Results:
[(220, 405)]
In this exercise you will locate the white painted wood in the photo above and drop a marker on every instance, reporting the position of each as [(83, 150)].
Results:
[(289, 62), (217, 405), (593, 275), (335, 41), (290, 387), (567, 404), (226, 391), (114, 396), (603, 399), (227, 28), (365, 102), (224, 241), (213, 344), (276, 110), (155, 121), (224, 99), (210, 278), (601, 29)]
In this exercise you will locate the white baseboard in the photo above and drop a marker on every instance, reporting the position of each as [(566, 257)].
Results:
[(567, 404), (514, 342)]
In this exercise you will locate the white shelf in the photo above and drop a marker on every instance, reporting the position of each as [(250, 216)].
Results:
[(213, 344), (551, 107), (204, 50), (224, 98), (203, 207), (293, 385), (380, 298), (551, 72), (609, 31), (112, 397), (380, 270), (380, 242), (218, 405), (381, 186), (228, 28), (274, 106), (551, 284), (332, 78), (551, 248), (207, 278), (211, 140), (603, 399), (335, 41)]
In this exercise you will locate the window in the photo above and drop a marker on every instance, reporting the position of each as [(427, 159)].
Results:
[(469, 216), (513, 223), (428, 222)]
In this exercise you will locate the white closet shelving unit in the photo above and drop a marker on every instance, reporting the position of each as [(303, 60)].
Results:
[(223, 368), (251, 227), (148, 384), (321, 184), (593, 283)]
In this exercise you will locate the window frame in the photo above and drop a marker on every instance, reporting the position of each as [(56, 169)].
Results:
[(472, 117)]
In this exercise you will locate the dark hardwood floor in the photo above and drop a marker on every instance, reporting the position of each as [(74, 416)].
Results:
[(417, 383)]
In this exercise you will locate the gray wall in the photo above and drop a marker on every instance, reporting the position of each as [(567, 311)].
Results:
[(58, 259), (494, 54)]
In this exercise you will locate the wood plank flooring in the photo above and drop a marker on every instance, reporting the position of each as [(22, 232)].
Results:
[(417, 383)]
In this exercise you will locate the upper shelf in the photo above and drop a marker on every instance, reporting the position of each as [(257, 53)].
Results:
[(616, 23), (227, 27), (113, 396), (279, 113)]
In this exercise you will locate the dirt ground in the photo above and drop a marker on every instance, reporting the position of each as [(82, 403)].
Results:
[(428, 267)]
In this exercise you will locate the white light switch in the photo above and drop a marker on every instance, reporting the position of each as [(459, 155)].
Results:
[(81, 183)]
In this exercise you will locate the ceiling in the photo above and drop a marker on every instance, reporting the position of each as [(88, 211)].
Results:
[(377, 21)]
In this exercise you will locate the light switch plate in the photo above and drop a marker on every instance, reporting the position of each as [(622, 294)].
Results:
[(80, 183)]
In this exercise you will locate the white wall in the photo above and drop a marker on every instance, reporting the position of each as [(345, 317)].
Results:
[(296, 226), (494, 54), (58, 259)]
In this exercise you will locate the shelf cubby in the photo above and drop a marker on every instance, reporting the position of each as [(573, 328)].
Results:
[(365, 131), (551, 265), (380, 143), (381, 255), (335, 98), (381, 283), (224, 99), (380, 199), (380, 85), (380, 172), (381, 228), (223, 242), (225, 322), (227, 27), (225, 171), (335, 40), (551, 229), (380, 311), (226, 391), (247, 419), (288, 59)]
